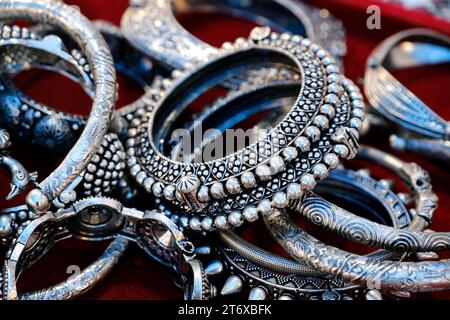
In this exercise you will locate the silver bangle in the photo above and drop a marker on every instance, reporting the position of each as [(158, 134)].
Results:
[(97, 53), (390, 276), (201, 188), (252, 267), (51, 129), (42, 125), (364, 231), (85, 280), (426, 132), (40, 234), (45, 127), (152, 27)]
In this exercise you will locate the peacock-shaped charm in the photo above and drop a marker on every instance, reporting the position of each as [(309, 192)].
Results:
[(20, 177)]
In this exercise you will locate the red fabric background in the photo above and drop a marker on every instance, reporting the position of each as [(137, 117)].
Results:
[(137, 276)]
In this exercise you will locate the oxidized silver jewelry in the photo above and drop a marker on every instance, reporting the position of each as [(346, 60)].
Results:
[(33, 51), (113, 220), (65, 17), (355, 183), (270, 276), (13, 220), (29, 119), (42, 125), (364, 231), (95, 221), (424, 131), (389, 276), (46, 127), (315, 118), (273, 277), (218, 192), (82, 282), (152, 27), (20, 177)]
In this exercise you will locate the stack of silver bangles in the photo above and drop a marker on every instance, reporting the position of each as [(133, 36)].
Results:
[(164, 173)]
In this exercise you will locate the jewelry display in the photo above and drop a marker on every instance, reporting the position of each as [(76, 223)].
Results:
[(267, 126), (252, 266), (298, 280)]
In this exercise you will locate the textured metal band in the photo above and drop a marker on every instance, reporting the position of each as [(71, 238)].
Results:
[(152, 27), (424, 276), (56, 131), (398, 104), (37, 237), (326, 102), (86, 279), (26, 49), (44, 126), (97, 53), (265, 284), (366, 232), (21, 115)]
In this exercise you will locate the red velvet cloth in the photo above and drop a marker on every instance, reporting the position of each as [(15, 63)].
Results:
[(136, 276)]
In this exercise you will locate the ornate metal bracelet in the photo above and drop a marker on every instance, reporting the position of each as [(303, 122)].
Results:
[(389, 276), (152, 27), (268, 275), (48, 128), (40, 124), (151, 230), (424, 131), (364, 231), (326, 102)]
